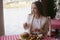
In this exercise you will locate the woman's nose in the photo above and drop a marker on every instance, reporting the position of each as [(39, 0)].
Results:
[(31, 9)]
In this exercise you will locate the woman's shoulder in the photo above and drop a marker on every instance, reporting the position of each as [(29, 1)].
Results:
[(47, 17)]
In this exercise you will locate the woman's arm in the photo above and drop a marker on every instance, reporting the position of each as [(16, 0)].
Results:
[(44, 30), (26, 25), (49, 32)]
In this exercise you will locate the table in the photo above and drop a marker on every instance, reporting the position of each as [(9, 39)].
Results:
[(16, 37)]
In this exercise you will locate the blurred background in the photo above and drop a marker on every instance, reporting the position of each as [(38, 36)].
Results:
[(15, 13)]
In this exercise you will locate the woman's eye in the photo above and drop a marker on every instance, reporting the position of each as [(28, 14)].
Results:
[(35, 8)]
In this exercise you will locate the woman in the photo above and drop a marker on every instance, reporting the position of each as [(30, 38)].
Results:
[(37, 22)]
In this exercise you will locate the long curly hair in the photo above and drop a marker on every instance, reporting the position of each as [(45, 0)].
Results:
[(39, 7)]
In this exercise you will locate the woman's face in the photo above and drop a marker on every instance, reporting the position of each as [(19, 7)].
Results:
[(34, 9)]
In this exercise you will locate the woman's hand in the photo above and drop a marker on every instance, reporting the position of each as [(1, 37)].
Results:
[(26, 26), (35, 30)]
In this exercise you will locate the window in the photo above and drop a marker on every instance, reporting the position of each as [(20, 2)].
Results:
[(15, 14)]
